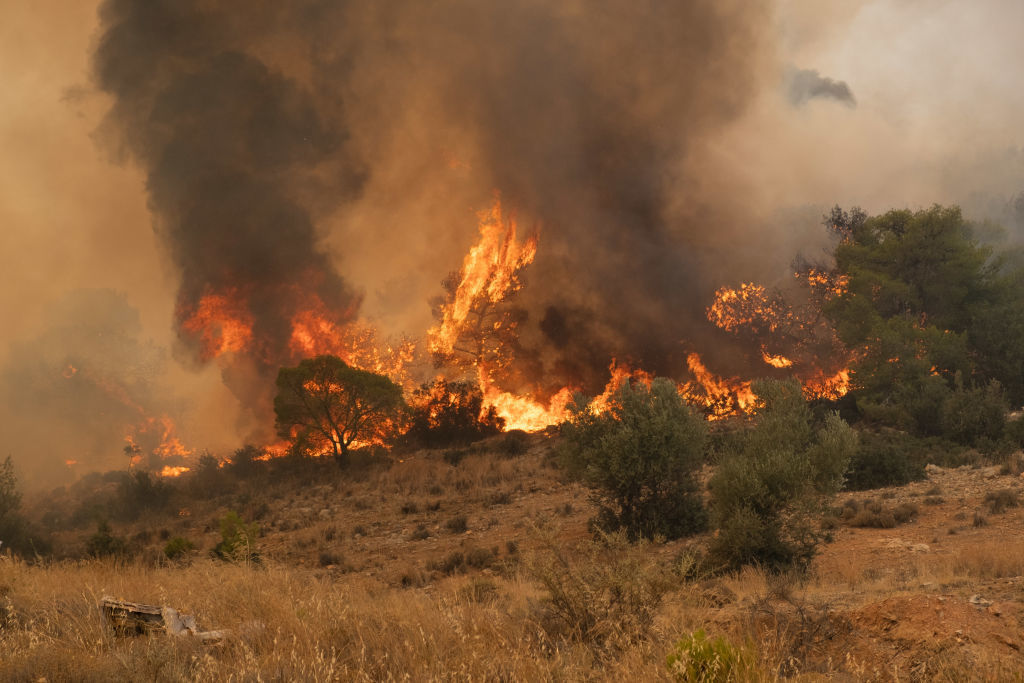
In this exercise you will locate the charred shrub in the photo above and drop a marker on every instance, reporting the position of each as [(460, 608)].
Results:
[(207, 479), (450, 414), (515, 443), (640, 457), (246, 462), (768, 493), (140, 491)]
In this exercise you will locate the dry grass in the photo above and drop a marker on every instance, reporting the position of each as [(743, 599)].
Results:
[(424, 570)]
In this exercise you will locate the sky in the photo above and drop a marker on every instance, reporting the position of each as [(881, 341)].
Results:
[(936, 100)]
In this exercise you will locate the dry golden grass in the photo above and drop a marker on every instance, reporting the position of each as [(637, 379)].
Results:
[(364, 592), (289, 625)]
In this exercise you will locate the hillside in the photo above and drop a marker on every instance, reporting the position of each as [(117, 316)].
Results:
[(442, 565)]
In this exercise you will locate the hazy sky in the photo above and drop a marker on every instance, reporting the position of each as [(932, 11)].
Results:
[(939, 91)]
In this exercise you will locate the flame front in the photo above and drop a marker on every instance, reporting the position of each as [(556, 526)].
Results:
[(221, 323)]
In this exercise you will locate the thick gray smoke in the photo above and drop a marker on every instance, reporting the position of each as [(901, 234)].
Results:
[(257, 121), (804, 85)]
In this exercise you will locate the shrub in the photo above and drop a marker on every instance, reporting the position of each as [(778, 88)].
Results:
[(1002, 500), (603, 592), (238, 540), (639, 457), (450, 413), (246, 461), (699, 659), (104, 543), (178, 547), (891, 459), (766, 495), (972, 416), (141, 491), (457, 525), (515, 443), (207, 477)]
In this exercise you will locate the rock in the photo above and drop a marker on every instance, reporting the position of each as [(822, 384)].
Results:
[(932, 469), (325, 513), (990, 472), (920, 548), (979, 601)]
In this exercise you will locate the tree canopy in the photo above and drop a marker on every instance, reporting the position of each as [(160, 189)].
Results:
[(325, 405), (927, 310)]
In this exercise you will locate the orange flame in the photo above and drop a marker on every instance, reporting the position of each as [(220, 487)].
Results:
[(489, 270), (222, 324), (776, 361), (721, 397), (169, 471)]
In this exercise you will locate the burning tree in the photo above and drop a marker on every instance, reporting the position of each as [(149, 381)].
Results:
[(479, 323), (323, 405)]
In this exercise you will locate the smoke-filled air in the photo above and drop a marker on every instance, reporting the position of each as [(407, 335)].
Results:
[(538, 198)]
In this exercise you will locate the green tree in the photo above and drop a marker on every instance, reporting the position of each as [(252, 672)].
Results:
[(325, 404), (640, 457), (924, 303), (771, 486)]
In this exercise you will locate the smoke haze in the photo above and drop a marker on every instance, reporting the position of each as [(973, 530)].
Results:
[(343, 148)]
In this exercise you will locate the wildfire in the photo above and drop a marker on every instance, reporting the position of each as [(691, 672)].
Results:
[(750, 307), (831, 387), (70, 463), (523, 412), (169, 471), (314, 334), (69, 371), (776, 361), (489, 273), (221, 322), (721, 397)]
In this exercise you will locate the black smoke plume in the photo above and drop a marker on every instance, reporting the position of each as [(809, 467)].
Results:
[(270, 130)]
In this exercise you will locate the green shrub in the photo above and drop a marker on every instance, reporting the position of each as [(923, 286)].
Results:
[(767, 494), (699, 659), (639, 457), (974, 416), (891, 459), (178, 547), (104, 543), (238, 540)]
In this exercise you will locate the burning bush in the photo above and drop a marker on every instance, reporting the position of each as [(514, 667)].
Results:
[(766, 495), (450, 414), (640, 456)]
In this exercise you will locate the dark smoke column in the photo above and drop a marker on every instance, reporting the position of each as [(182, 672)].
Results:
[(228, 144)]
